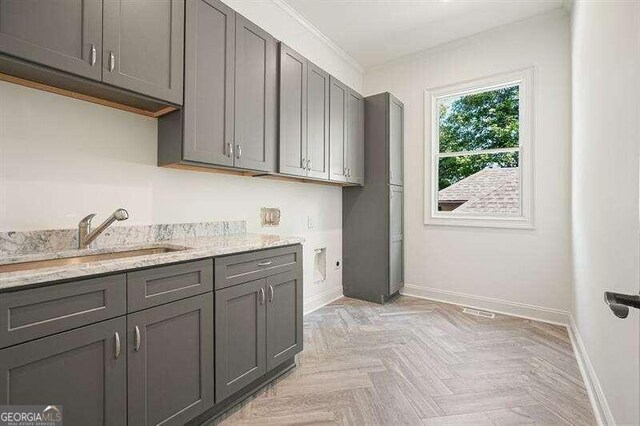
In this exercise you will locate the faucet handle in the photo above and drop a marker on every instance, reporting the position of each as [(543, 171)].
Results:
[(87, 219)]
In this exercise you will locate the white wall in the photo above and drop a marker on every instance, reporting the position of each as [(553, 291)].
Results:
[(62, 158), (606, 138), (530, 267)]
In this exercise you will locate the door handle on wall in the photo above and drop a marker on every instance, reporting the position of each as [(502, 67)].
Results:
[(619, 303)]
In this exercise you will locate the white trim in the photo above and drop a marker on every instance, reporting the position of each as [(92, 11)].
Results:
[(525, 80), (322, 299), (315, 31), (516, 309), (601, 408)]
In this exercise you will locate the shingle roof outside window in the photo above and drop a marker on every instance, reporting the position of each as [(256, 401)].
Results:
[(492, 190)]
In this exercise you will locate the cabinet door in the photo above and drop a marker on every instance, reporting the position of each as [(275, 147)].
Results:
[(396, 240), (317, 122), (396, 141), (84, 370), (293, 112), (170, 362), (255, 102), (62, 34), (240, 337), (284, 317), (338, 94), (208, 82), (143, 47), (355, 138)]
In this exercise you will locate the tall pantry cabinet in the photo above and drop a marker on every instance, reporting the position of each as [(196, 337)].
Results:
[(372, 215)]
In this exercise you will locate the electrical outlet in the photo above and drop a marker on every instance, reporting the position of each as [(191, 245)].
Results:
[(338, 263), (309, 222)]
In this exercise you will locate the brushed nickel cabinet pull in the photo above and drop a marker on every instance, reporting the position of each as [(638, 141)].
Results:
[(229, 150), (265, 263), (270, 293), (239, 151), (308, 164), (261, 296), (92, 59), (112, 61), (117, 349), (136, 342), (304, 163)]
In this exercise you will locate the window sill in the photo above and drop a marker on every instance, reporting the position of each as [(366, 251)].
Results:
[(481, 222)]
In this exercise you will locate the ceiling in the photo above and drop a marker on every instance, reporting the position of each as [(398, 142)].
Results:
[(377, 31)]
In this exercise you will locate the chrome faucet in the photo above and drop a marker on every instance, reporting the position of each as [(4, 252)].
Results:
[(86, 235)]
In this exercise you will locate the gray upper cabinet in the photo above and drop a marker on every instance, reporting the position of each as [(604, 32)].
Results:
[(62, 34), (284, 317), (304, 116), (255, 97), (396, 140), (143, 47), (209, 82), (293, 112), (170, 362), (355, 138), (338, 94), (240, 333), (318, 82), (84, 370), (346, 134)]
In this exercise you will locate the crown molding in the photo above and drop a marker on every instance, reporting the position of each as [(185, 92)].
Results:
[(315, 31)]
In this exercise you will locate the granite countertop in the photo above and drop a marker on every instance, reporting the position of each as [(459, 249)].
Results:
[(188, 249)]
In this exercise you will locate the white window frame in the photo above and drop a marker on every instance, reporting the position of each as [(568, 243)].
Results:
[(524, 80)]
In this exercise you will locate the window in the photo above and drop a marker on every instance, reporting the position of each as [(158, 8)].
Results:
[(479, 153)]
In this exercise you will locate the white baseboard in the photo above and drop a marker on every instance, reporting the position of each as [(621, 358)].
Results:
[(596, 395), (517, 309), (318, 301)]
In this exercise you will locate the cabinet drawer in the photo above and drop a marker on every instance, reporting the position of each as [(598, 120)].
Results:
[(29, 314), (238, 269), (152, 287)]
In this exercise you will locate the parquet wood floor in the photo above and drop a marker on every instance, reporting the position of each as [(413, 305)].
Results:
[(419, 362)]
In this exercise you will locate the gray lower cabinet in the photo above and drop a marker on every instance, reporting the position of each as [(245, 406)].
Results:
[(258, 323), (255, 97), (143, 44), (62, 34), (240, 337), (396, 238), (346, 134), (284, 317), (170, 362), (84, 370)]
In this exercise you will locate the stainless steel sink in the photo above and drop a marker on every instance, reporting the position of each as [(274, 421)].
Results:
[(75, 260)]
